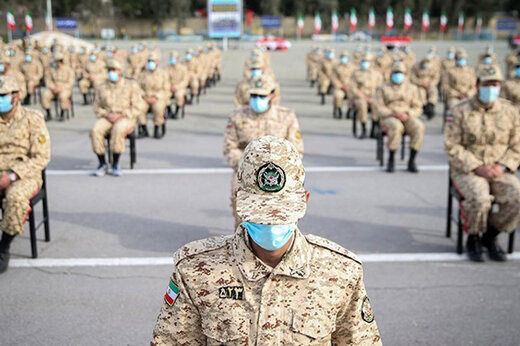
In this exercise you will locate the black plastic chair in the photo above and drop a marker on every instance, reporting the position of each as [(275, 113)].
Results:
[(133, 155), (380, 145), (69, 113)]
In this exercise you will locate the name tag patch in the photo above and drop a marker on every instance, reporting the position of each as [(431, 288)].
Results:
[(231, 292)]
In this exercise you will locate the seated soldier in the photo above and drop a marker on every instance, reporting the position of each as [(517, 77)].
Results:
[(511, 88), (179, 79), (32, 70), (24, 153), (483, 162), (118, 103), (7, 69), (59, 80), (341, 82), (426, 77), (93, 75)]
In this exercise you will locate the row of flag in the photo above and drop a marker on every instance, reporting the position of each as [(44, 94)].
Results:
[(408, 21), (11, 24)]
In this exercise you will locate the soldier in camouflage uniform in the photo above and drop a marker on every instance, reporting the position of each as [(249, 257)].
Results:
[(511, 88), (24, 153), (460, 80), (179, 79), (32, 70), (118, 103), (325, 73), (93, 75), (482, 140), (426, 77), (341, 82), (6, 69), (59, 80), (267, 284), (399, 106), (261, 117)]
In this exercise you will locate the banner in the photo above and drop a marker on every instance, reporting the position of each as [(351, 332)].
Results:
[(335, 22), (224, 18), (425, 21), (10, 21), (28, 22), (444, 22), (66, 23), (271, 22), (317, 24)]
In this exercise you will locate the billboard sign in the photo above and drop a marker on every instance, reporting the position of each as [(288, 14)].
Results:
[(506, 24), (66, 23), (271, 22), (224, 18)]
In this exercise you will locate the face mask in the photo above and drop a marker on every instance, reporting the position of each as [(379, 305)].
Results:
[(365, 65), (259, 104), (151, 65), (461, 62), (141, 47), (451, 56), (54, 64), (397, 77), (517, 71), (5, 104), (426, 66), (2, 68), (269, 237), (343, 60), (431, 54), (487, 60), (81, 51), (92, 58), (28, 58), (379, 54), (71, 49), (44, 50), (173, 61), (256, 73), (110, 55), (11, 52), (195, 53), (331, 55), (113, 76), (407, 50), (134, 50), (488, 94), (188, 57)]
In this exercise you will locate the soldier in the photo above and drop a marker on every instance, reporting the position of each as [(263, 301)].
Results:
[(312, 60), (32, 70), (487, 58), (434, 58), (482, 140), (446, 64), (325, 73), (426, 77), (193, 70), (511, 88), (341, 82), (118, 103), (409, 57), (364, 83), (24, 153), (399, 106), (261, 117), (156, 87), (460, 80), (179, 79), (83, 58), (511, 59), (241, 97), (383, 62), (6, 69), (94, 74), (59, 80), (267, 284), (45, 59)]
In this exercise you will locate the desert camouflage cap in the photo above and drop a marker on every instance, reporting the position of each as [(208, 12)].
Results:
[(256, 63), (153, 56), (451, 49), (114, 64), (262, 85), (58, 56), (270, 180), (461, 54), (398, 66), (490, 73), (367, 57), (8, 84)]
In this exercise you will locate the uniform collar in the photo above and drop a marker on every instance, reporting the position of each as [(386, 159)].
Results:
[(295, 263), (17, 115), (479, 107)]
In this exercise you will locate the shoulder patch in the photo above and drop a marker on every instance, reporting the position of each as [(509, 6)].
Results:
[(332, 246), (200, 246)]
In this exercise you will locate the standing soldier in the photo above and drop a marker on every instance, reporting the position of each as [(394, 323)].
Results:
[(6, 69), (179, 79), (364, 83), (341, 82), (94, 74), (325, 73), (59, 80), (511, 88), (156, 87), (460, 80), (118, 103), (482, 141), (32, 70), (24, 153), (193, 70), (268, 283), (399, 105), (426, 77), (261, 117)]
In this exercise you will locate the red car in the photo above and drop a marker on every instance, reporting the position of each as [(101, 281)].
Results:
[(274, 43)]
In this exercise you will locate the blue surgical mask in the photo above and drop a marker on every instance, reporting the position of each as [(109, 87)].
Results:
[(92, 58), (2, 68), (488, 94), (113, 76), (318, 51), (256, 73), (451, 56), (110, 55), (461, 62), (151, 65), (331, 55), (81, 50), (259, 104), (195, 53), (28, 58), (380, 54), (397, 77), (487, 60), (141, 47), (343, 60), (188, 57), (431, 54), (54, 64), (44, 50), (407, 49), (71, 49), (11, 52), (270, 237), (517, 71), (5, 103), (365, 65), (173, 61), (134, 50)]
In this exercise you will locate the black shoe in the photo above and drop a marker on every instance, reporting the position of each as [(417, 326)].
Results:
[(142, 131), (489, 241), (48, 115), (340, 113), (390, 168), (176, 114), (27, 100), (163, 130), (4, 261), (412, 167), (156, 133), (474, 247), (363, 131), (429, 110), (322, 99), (373, 130), (62, 115), (85, 101)]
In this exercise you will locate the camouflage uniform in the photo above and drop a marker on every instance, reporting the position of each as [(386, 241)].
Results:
[(24, 150), (474, 137), (364, 84), (460, 82), (341, 80), (179, 79), (123, 97), (62, 77), (155, 83), (227, 295), (94, 74), (511, 89), (426, 76), (194, 71), (18, 76), (511, 60), (33, 73), (325, 73)]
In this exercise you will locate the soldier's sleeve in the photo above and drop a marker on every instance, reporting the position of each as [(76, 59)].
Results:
[(70, 81), (355, 322), (137, 102), (415, 104), (353, 85), (232, 152), (185, 79), (178, 323), (99, 110), (293, 133), (380, 105), (511, 158), (39, 150), (22, 85), (166, 88), (450, 90), (460, 158)]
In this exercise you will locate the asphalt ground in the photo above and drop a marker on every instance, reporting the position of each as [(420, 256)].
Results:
[(95, 293)]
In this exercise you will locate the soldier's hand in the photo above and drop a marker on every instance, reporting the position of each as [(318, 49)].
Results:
[(497, 170), (5, 181), (485, 171)]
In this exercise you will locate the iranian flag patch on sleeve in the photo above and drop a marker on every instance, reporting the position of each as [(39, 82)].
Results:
[(172, 292)]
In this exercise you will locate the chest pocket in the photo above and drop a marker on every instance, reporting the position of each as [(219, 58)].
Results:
[(227, 327), (312, 330)]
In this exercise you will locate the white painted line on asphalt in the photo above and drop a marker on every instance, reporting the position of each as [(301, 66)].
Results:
[(158, 261), (223, 170)]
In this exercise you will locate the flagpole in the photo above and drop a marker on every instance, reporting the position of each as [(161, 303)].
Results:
[(9, 35)]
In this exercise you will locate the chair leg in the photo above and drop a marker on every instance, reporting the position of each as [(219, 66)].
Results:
[(403, 148), (511, 245), (132, 153), (450, 212), (460, 234), (32, 232), (354, 125), (46, 218)]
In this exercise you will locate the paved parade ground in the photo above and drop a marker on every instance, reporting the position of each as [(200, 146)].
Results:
[(102, 277)]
